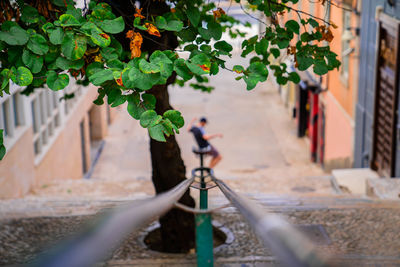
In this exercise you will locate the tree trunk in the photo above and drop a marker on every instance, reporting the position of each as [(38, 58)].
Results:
[(177, 227)]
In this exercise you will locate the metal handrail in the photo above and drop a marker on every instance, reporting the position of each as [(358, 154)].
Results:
[(103, 237), (286, 242)]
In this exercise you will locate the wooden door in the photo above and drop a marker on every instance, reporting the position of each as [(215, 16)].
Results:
[(386, 94)]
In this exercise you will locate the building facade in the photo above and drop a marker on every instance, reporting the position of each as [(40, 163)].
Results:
[(324, 106), (48, 138), (377, 123)]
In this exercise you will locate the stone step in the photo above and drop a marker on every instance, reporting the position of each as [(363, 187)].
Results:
[(254, 261), (353, 181), (384, 188)]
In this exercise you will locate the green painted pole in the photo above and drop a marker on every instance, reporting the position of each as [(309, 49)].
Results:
[(204, 237)]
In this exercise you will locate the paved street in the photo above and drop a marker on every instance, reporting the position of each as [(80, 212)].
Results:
[(261, 153)]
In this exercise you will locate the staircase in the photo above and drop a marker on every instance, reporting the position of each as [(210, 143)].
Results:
[(356, 231)]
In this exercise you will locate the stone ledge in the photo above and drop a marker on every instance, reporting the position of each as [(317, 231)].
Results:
[(353, 181), (384, 188)]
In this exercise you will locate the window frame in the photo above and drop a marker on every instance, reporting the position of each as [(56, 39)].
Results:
[(345, 47)]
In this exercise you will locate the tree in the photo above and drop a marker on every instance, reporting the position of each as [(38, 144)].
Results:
[(129, 52)]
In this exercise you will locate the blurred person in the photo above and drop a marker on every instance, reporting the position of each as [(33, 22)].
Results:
[(202, 139)]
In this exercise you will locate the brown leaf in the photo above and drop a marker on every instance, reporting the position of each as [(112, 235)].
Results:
[(151, 29), (139, 13)]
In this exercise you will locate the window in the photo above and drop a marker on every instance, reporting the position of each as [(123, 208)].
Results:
[(346, 49), (45, 118), (11, 114)]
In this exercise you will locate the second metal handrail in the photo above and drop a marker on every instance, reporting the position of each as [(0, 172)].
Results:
[(287, 243)]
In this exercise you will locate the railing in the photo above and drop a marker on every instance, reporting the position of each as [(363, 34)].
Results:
[(97, 243), (286, 242)]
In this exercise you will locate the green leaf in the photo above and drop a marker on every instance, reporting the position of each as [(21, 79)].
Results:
[(304, 62), (113, 94), (293, 26), (67, 20), (143, 81), (148, 67), (169, 127), (201, 59), (23, 76), (149, 101), (206, 48), (193, 15), (99, 100), (182, 70), (313, 22), (195, 68), (113, 26), (275, 52), (294, 77), (56, 36), (223, 46), (163, 62), (101, 76), (259, 69), (2, 147), (48, 27), (136, 24), (148, 118), (14, 36), (115, 64), (215, 30), (29, 15), (205, 34), (214, 69), (62, 3), (281, 80), (261, 47), (251, 82), (320, 67), (238, 69), (32, 61), (109, 53), (5, 75), (187, 35), (126, 81), (66, 64), (175, 117), (119, 100), (161, 22), (96, 34), (57, 81), (38, 44), (283, 43), (157, 132), (134, 108), (174, 25), (76, 12), (94, 68), (190, 47), (73, 46)]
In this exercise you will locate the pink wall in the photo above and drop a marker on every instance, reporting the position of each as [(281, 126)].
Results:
[(338, 130)]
